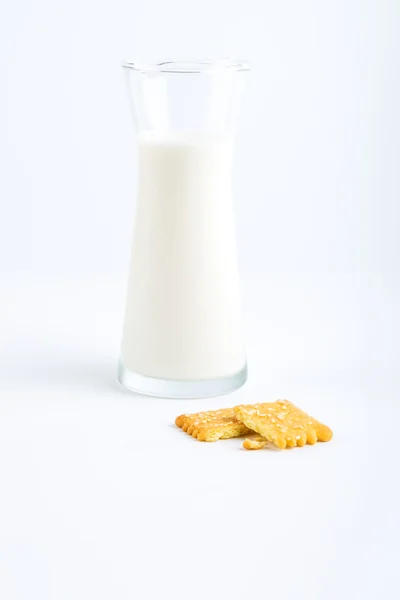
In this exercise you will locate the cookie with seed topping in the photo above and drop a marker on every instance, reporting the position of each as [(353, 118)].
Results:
[(212, 425), (281, 423)]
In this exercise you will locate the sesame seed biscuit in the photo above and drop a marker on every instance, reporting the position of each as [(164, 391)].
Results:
[(212, 425), (281, 423)]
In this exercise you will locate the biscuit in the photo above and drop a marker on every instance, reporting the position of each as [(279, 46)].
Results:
[(255, 442), (281, 423), (212, 425)]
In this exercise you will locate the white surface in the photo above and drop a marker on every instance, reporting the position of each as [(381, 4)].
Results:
[(92, 503), (184, 281), (102, 497)]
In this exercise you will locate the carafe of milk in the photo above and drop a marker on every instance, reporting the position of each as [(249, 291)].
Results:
[(182, 335)]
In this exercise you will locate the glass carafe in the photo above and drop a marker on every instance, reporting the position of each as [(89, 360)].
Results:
[(182, 334)]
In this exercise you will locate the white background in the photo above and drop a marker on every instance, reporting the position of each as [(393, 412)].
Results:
[(100, 497)]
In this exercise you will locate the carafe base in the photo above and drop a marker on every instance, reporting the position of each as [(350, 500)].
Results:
[(168, 388)]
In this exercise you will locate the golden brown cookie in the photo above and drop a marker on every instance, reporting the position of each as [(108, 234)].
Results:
[(212, 425), (255, 442), (282, 423)]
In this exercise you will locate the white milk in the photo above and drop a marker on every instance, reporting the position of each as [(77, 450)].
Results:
[(183, 307)]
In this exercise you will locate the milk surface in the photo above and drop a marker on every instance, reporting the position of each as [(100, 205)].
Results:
[(183, 306)]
